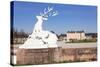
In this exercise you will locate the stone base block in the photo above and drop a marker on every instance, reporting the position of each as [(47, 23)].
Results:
[(38, 56)]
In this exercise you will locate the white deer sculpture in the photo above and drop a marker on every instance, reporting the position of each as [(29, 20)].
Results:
[(43, 16), (40, 36)]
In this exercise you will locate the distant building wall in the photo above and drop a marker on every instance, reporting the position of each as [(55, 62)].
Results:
[(80, 35)]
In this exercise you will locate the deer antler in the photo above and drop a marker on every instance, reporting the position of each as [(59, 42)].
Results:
[(49, 12)]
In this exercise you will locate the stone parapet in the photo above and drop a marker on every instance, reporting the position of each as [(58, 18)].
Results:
[(55, 55)]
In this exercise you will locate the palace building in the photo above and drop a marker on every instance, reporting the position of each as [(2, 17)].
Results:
[(75, 35)]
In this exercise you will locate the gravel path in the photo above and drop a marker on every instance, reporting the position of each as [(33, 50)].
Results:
[(76, 45)]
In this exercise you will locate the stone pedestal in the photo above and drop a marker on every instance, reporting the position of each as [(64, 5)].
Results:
[(55, 55), (37, 56)]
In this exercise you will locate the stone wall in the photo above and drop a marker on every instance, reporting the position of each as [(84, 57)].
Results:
[(55, 55), (37, 56), (79, 54)]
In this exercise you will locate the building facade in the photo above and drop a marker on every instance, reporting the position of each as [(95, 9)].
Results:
[(75, 35)]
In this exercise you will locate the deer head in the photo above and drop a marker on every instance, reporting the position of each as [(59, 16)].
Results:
[(41, 18), (48, 12)]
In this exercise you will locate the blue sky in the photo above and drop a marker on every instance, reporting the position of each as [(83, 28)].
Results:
[(70, 17)]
